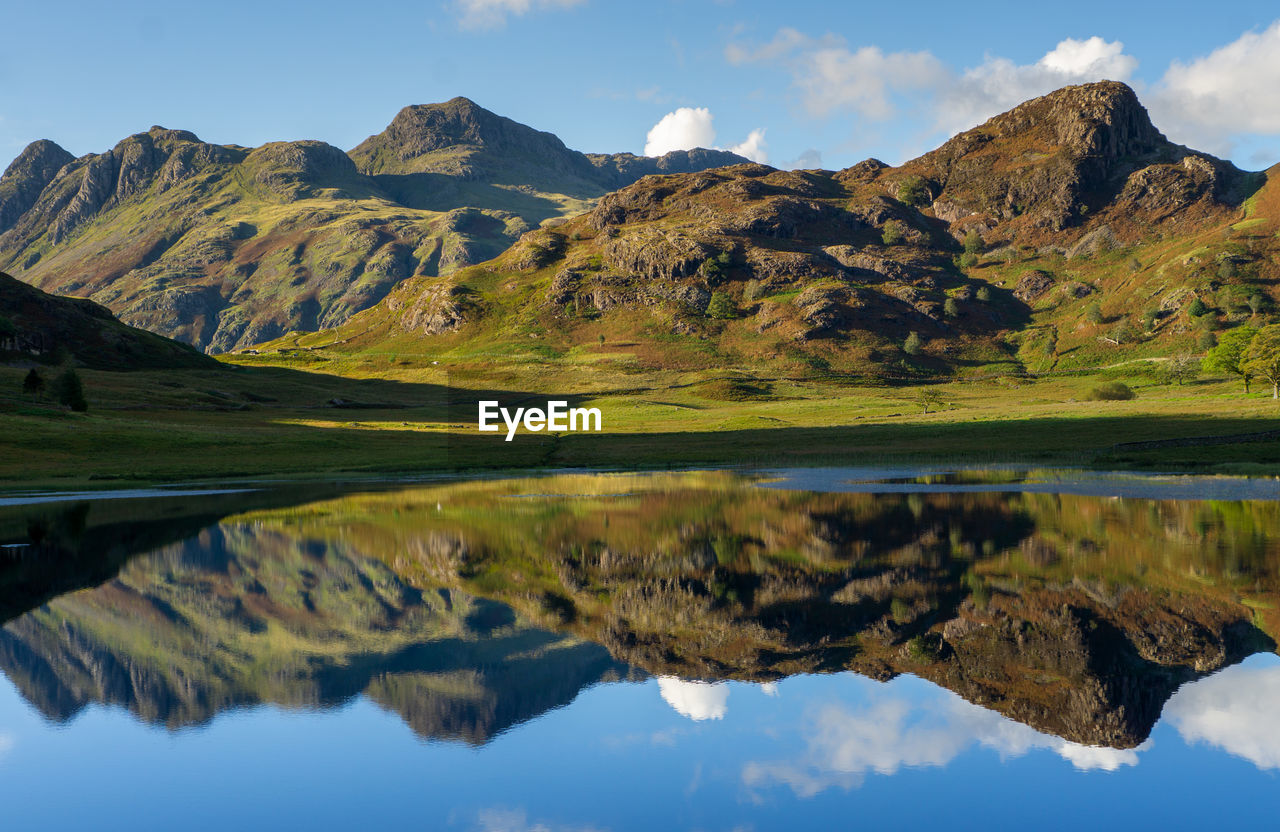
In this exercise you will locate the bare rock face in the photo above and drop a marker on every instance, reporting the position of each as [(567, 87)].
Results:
[(656, 254), (1032, 286), (436, 308), (26, 177)]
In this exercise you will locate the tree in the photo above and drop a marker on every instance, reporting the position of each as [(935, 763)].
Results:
[(984, 294), (973, 243), (714, 269), (1257, 303), (68, 391), (33, 384), (721, 306), (1208, 340), (1228, 355), (928, 398), (1149, 318), (1181, 368), (1196, 308), (951, 308), (911, 191), (1093, 313), (894, 233), (1262, 358), (914, 344)]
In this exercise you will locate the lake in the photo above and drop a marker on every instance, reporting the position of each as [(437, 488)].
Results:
[(707, 650)]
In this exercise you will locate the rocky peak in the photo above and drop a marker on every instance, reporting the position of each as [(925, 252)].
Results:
[(26, 177), (1053, 160), (423, 129)]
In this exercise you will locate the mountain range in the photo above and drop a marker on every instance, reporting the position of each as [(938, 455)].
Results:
[(223, 246), (1046, 238)]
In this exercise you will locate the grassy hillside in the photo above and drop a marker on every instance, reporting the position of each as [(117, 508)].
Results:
[(1063, 236), (223, 246)]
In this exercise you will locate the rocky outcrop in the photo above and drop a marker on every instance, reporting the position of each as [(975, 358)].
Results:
[(26, 177)]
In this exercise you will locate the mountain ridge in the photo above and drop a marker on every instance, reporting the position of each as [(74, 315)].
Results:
[(224, 246), (991, 251)]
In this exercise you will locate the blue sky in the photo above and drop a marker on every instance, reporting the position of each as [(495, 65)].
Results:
[(798, 82)]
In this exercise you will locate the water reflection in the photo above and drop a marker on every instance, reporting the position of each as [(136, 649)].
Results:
[(1049, 620)]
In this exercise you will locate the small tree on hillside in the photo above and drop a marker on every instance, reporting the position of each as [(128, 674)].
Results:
[(69, 392), (721, 306), (929, 398), (914, 344), (894, 233), (1228, 356), (1196, 308), (1093, 313), (912, 191), (1262, 358), (33, 384), (973, 243)]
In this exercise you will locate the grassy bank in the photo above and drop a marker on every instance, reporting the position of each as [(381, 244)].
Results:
[(257, 420)]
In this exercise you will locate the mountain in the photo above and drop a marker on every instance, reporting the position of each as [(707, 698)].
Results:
[(223, 246), (1077, 615), (1049, 237), (235, 617), (34, 324)]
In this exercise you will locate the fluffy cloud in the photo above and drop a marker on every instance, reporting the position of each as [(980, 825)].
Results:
[(1232, 90), (844, 745), (697, 700), (488, 14), (1234, 710), (753, 148), (872, 83), (684, 129), (690, 127)]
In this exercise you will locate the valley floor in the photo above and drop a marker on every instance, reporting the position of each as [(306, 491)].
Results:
[(253, 420)]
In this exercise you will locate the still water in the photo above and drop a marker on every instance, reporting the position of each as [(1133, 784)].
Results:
[(708, 650)]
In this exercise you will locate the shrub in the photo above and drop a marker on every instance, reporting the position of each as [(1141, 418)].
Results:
[(68, 391), (967, 260), (900, 611), (914, 344), (1196, 308), (752, 290), (716, 268), (894, 233), (33, 384), (912, 191), (1227, 270), (1207, 340), (973, 243), (721, 306), (951, 307), (1093, 313), (1111, 391), (1149, 319), (984, 294)]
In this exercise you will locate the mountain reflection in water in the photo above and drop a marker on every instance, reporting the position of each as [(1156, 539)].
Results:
[(1040, 622)]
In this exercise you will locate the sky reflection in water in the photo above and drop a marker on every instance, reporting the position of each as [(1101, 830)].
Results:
[(437, 709)]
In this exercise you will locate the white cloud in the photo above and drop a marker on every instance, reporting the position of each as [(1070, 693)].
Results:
[(1234, 89), (683, 129), (517, 820), (871, 83), (844, 745), (696, 700), (1235, 710), (489, 14), (999, 84), (753, 147), (690, 127)]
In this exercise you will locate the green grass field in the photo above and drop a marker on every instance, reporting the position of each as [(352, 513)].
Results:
[(379, 417)]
